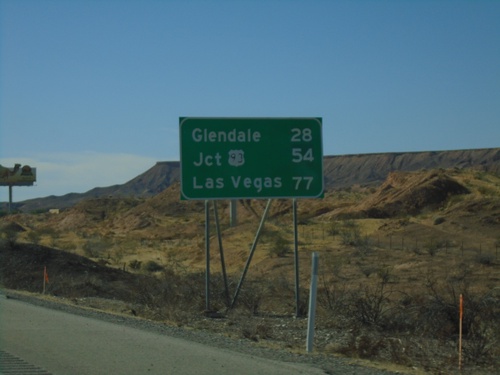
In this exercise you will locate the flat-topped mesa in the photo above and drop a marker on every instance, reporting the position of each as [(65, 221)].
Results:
[(233, 136)]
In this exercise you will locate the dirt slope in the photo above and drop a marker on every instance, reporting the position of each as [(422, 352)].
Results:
[(405, 193)]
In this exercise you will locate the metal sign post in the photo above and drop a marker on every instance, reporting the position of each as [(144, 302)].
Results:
[(296, 258), (207, 256)]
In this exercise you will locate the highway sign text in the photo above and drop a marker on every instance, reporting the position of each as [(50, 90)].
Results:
[(227, 158)]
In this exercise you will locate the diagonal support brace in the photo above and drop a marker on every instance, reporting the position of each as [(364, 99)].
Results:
[(254, 245)]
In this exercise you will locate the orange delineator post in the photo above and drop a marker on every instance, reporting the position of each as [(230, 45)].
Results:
[(45, 278)]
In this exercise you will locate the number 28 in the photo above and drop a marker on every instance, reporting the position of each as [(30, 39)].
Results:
[(301, 135)]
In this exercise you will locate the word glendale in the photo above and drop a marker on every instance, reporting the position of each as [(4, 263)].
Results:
[(204, 135)]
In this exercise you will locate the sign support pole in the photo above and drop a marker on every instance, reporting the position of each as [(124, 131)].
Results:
[(221, 251), (296, 259), (207, 256), (233, 216), (10, 198)]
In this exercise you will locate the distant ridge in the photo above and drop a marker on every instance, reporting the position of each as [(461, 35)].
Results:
[(340, 171)]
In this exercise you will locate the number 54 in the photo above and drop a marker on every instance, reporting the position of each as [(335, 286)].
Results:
[(298, 156)]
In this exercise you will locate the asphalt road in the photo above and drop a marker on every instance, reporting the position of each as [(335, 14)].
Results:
[(47, 341)]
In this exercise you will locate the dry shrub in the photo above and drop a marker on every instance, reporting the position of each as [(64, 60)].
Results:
[(97, 246), (485, 259), (439, 315), (279, 247), (362, 345), (251, 296), (152, 266), (135, 264), (335, 298), (255, 331), (374, 314), (172, 295), (8, 236)]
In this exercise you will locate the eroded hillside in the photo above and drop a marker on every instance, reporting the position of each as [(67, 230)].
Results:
[(462, 203)]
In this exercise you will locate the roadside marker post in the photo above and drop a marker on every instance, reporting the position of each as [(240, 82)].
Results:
[(45, 278), (312, 303)]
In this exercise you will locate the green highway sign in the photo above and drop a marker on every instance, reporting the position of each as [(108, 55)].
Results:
[(228, 158)]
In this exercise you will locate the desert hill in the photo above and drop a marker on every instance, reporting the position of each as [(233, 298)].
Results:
[(423, 210), (448, 204), (147, 184), (339, 172), (408, 193), (453, 192)]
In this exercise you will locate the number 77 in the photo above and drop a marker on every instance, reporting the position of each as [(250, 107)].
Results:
[(298, 181)]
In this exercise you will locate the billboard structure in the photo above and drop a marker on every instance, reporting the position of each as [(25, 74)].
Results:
[(17, 176)]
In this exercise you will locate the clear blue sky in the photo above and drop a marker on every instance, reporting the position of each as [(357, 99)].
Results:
[(91, 91)]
